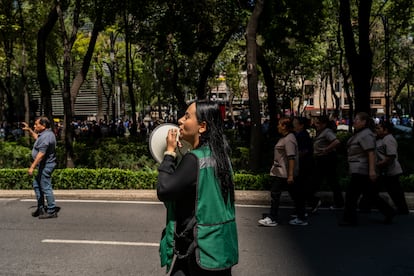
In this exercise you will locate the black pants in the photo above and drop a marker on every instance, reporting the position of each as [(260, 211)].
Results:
[(362, 185), (278, 186), (188, 266), (394, 189), (325, 170), (302, 192)]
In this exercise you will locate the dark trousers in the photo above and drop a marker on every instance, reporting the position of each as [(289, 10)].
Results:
[(325, 170), (362, 185), (301, 192), (394, 189), (279, 185), (188, 266)]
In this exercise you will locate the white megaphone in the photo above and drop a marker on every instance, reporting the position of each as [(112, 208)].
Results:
[(158, 142)]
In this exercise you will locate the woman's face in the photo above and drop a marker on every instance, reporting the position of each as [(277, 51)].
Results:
[(319, 125), (281, 128), (358, 123), (190, 128), (297, 125), (380, 131)]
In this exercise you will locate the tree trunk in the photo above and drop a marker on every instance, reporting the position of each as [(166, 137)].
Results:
[(252, 80), (42, 77), (129, 77), (271, 93), (360, 64), (66, 91), (334, 96), (23, 68), (99, 87), (82, 74)]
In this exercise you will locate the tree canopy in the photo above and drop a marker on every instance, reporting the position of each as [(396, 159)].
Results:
[(160, 54)]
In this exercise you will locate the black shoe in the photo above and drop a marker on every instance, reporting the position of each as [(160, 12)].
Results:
[(38, 212), (48, 215)]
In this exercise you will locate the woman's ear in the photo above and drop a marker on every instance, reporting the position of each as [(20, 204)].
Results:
[(203, 127)]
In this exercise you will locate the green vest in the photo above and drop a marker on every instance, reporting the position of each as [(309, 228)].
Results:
[(215, 231)]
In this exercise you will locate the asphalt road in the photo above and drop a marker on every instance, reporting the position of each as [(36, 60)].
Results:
[(121, 238)]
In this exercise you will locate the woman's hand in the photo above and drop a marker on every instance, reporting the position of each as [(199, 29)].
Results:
[(172, 139)]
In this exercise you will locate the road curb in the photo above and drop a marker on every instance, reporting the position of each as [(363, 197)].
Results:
[(242, 197)]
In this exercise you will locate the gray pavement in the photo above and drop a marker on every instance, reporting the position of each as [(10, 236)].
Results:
[(107, 238), (242, 197)]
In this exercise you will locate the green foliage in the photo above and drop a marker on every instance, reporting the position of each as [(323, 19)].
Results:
[(15, 179), (407, 182), (240, 158), (244, 181), (119, 153), (13, 155), (82, 179)]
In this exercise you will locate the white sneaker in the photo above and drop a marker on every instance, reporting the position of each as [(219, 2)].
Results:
[(267, 222), (297, 221)]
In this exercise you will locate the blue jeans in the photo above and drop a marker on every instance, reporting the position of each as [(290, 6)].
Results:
[(42, 185)]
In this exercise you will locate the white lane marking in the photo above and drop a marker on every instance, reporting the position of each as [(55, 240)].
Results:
[(252, 206), (134, 202), (99, 201), (147, 244)]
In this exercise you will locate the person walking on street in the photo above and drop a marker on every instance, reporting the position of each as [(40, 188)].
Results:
[(389, 168), (198, 193), (307, 191), (44, 160), (283, 172), (362, 168), (324, 149)]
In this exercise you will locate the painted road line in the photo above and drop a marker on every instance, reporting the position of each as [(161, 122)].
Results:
[(133, 202), (144, 244), (100, 201)]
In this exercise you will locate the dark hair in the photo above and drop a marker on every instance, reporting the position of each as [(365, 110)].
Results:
[(44, 121), (369, 122), (328, 122), (388, 125), (323, 119), (287, 122), (209, 112), (305, 122)]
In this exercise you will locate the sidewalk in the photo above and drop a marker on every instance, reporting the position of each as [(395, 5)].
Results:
[(242, 197)]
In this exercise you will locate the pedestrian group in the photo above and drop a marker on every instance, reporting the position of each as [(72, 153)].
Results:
[(301, 165)]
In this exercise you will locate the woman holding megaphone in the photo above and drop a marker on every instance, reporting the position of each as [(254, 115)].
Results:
[(198, 193)]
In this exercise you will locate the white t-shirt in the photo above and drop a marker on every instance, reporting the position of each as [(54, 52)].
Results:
[(358, 146), (286, 148), (322, 140), (388, 146)]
